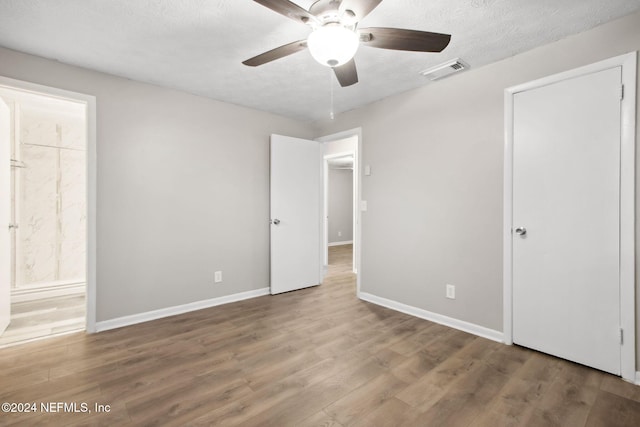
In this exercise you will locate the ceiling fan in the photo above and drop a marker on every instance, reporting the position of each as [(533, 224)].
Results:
[(335, 37)]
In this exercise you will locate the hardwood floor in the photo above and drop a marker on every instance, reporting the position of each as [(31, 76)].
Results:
[(340, 260), (315, 357)]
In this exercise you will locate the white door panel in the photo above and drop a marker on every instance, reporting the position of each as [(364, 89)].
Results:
[(566, 193), (296, 200), (5, 216)]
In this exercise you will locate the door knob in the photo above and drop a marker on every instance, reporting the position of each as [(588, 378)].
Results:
[(521, 231), (275, 221)]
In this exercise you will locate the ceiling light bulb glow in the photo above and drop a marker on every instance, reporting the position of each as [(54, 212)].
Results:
[(333, 45)]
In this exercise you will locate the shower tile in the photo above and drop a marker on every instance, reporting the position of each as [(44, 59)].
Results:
[(72, 215), (72, 260), (39, 264), (52, 195), (38, 128), (38, 222), (73, 134), (72, 180)]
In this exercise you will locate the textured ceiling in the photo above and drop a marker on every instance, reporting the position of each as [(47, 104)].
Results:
[(198, 45)]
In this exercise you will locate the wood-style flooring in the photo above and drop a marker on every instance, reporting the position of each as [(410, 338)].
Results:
[(31, 320), (315, 357)]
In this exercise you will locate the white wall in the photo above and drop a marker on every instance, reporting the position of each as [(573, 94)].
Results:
[(435, 194), (183, 188), (340, 205), (341, 146)]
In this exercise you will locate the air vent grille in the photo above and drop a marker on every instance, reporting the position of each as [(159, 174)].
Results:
[(445, 70)]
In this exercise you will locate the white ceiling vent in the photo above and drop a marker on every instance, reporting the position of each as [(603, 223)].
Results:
[(445, 70)]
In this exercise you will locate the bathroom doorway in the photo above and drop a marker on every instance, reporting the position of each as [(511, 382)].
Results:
[(47, 138)]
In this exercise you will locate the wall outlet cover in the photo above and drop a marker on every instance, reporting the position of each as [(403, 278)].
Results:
[(218, 276), (451, 292)]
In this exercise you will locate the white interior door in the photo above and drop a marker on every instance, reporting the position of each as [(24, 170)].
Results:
[(5, 216), (566, 194), (296, 215)]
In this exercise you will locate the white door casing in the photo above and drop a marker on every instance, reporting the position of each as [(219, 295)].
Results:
[(5, 216), (357, 191), (569, 181), (296, 213)]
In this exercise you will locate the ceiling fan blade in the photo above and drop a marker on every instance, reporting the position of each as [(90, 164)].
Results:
[(288, 9), (347, 74), (277, 53), (399, 39), (360, 8)]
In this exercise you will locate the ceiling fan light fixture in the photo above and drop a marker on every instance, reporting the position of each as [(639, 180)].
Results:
[(333, 45)]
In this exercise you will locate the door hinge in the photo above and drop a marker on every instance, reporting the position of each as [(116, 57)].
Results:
[(621, 92), (621, 336)]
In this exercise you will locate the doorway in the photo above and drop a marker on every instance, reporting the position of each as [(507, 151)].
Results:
[(299, 230), (47, 206), (342, 236), (569, 216), (339, 207)]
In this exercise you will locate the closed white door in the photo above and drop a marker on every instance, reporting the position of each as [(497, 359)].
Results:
[(566, 219), (5, 216), (296, 220)]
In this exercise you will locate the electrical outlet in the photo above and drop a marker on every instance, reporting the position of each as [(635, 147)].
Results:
[(339, 233), (451, 292), (218, 277)]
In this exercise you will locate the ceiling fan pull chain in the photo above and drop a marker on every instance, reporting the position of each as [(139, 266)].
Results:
[(331, 115)]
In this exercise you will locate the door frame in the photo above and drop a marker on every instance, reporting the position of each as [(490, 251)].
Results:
[(627, 200), (91, 165), (325, 222), (357, 177)]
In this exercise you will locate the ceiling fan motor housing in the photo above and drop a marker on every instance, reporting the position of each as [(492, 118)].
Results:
[(326, 10)]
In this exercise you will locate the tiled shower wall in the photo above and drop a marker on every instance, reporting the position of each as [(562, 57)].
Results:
[(51, 197)]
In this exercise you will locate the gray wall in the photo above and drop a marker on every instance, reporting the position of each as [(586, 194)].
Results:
[(435, 194), (340, 205), (183, 188)]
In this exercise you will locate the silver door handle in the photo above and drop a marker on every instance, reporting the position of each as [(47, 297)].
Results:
[(275, 221), (521, 231)]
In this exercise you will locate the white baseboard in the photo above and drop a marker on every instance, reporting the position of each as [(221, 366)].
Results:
[(33, 294), (471, 328), (346, 242), (119, 322)]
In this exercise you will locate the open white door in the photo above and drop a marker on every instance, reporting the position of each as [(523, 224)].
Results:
[(5, 216), (296, 219)]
